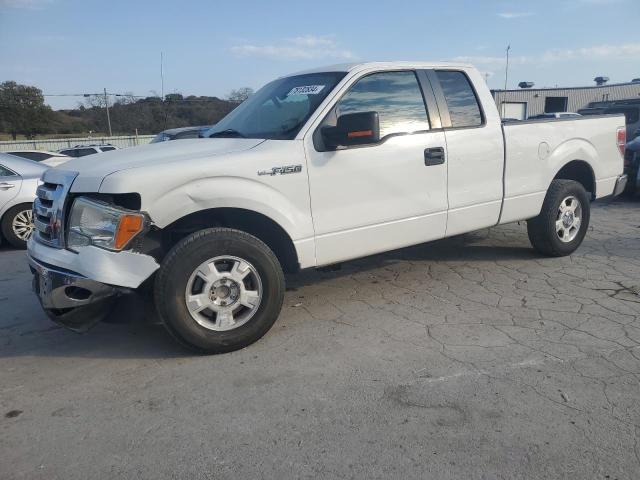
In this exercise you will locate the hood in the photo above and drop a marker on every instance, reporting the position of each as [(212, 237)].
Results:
[(93, 168)]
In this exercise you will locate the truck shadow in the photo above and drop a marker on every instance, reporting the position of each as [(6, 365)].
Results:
[(25, 330), (461, 249), (130, 333)]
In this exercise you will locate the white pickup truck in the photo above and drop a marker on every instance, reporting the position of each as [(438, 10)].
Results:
[(314, 169)]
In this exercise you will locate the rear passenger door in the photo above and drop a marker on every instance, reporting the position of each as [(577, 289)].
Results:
[(475, 150)]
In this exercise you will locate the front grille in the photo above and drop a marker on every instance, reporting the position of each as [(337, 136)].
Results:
[(49, 207)]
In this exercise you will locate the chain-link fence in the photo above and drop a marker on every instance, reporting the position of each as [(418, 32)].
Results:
[(54, 144)]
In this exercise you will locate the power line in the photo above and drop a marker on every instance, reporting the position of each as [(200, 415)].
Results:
[(90, 95)]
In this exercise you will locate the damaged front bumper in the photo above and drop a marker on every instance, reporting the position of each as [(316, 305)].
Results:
[(77, 290), (69, 299)]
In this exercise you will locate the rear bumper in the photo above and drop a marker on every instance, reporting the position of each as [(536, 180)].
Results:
[(621, 184), (70, 299)]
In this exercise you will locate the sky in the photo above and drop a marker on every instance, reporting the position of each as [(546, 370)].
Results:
[(212, 47)]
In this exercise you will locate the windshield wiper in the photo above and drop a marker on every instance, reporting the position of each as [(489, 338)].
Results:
[(229, 132)]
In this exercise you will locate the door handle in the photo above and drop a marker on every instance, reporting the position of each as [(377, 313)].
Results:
[(433, 156), (6, 186)]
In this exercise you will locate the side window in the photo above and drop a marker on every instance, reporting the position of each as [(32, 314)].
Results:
[(70, 153), (107, 149), (464, 109), (187, 134), (38, 156), (83, 152), (29, 155), (5, 172), (396, 96)]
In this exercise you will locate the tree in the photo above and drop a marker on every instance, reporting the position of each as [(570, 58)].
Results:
[(240, 95), (22, 110), (173, 97)]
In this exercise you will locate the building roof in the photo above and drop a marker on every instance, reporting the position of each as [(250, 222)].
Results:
[(587, 87)]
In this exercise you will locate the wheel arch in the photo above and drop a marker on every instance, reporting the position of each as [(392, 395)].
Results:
[(255, 223), (579, 171)]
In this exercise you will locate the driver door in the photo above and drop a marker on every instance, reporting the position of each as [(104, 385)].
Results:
[(371, 198)]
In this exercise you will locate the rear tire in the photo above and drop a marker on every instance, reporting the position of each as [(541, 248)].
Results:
[(17, 225), (219, 290), (563, 221)]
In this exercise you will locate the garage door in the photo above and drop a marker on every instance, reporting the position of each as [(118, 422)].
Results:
[(515, 110)]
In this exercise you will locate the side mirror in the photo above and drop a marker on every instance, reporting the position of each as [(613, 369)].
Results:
[(353, 129)]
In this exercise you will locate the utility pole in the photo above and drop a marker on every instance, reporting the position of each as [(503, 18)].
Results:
[(161, 76), (506, 77), (106, 104)]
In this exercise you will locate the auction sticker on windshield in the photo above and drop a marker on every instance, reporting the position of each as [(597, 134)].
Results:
[(306, 90)]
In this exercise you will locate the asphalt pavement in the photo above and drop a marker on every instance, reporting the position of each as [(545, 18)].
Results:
[(467, 358)]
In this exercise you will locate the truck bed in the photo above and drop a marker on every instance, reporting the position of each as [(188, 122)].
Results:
[(535, 150)]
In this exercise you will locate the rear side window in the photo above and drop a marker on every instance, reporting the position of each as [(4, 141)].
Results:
[(36, 156), (70, 153), (107, 149), (82, 152), (5, 172), (397, 98), (464, 109), (187, 134)]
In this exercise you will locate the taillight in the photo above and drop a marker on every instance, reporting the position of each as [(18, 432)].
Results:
[(621, 138)]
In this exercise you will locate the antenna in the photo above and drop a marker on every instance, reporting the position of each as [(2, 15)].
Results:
[(506, 70), (506, 77)]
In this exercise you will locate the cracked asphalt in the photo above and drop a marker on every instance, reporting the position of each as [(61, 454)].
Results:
[(467, 358)]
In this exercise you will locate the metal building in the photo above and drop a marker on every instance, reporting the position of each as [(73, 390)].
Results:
[(525, 102)]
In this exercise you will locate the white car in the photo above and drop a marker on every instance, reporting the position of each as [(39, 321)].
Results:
[(84, 150), (315, 168), (51, 159), (555, 115), (19, 179)]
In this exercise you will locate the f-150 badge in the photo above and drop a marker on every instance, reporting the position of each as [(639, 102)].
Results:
[(285, 170)]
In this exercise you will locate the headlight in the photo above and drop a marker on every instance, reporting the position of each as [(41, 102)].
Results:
[(96, 223)]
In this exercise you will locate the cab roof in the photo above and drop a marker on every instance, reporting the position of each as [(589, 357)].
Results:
[(348, 67)]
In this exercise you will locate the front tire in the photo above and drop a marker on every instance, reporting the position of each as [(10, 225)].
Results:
[(219, 290), (563, 221), (17, 225)]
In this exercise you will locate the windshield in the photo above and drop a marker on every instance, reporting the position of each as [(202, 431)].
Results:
[(279, 109)]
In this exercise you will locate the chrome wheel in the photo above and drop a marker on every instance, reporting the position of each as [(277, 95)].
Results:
[(569, 219), (22, 225), (223, 293)]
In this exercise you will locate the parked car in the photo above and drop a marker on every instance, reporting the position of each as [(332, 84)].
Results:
[(555, 115), (19, 179), (630, 109), (632, 166), (314, 169), (180, 133), (51, 159), (84, 150)]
